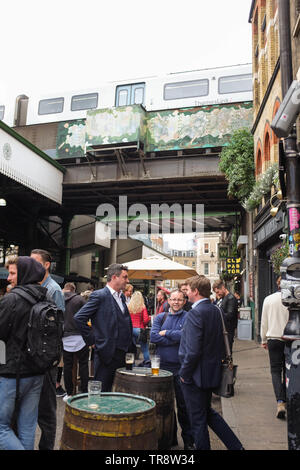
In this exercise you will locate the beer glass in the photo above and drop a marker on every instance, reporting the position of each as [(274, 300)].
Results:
[(155, 364), (94, 392), (129, 360)]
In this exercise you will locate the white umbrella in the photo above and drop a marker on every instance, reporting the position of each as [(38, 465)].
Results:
[(158, 268)]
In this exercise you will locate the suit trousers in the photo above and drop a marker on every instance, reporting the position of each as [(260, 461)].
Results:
[(201, 414), (106, 372)]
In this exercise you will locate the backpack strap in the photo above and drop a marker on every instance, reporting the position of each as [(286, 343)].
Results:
[(25, 295)]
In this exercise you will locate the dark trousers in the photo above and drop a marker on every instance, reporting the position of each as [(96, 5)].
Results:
[(231, 339), (83, 361), (198, 403), (47, 411), (106, 372), (182, 413), (277, 366)]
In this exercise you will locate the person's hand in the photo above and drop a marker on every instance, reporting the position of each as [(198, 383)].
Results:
[(264, 345), (181, 379), (162, 333)]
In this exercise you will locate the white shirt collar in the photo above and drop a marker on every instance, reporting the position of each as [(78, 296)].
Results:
[(113, 291), (198, 302)]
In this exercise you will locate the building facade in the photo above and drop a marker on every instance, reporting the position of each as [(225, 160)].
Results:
[(267, 98), (207, 255)]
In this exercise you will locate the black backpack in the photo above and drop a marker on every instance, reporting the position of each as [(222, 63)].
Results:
[(45, 331)]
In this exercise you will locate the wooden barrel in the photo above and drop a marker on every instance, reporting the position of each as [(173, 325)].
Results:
[(140, 381), (121, 422)]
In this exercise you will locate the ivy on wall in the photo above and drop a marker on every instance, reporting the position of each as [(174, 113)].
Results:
[(237, 163), (278, 256)]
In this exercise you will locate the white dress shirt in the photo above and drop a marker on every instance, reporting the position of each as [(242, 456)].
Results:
[(117, 296)]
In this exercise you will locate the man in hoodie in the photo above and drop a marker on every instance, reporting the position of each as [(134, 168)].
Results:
[(73, 342), (14, 315), (166, 334), (47, 405)]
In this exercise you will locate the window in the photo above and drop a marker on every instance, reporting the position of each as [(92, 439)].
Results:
[(235, 83), (192, 254), (123, 97), (206, 248), (206, 269), (51, 106), (2, 109), (130, 94), (88, 101), (190, 89), (138, 95)]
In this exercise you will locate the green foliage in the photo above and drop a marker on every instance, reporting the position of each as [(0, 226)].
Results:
[(262, 187), (278, 256), (237, 162)]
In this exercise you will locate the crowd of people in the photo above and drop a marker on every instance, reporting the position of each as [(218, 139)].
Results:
[(186, 328)]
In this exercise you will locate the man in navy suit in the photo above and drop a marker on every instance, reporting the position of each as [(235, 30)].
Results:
[(111, 332), (200, 353)]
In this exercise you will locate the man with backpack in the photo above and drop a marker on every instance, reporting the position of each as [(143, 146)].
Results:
[(47, 405), (26, 273)]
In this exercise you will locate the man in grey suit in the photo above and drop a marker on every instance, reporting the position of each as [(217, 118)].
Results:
[(111, 332), (201, 352)]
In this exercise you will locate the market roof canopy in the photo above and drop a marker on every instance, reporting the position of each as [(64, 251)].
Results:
[(159, 268)]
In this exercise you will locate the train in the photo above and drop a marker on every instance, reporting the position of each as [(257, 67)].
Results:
[(220, 85)]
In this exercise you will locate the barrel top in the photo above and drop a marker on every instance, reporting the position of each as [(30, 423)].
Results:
[(111, 403), (144, 371)]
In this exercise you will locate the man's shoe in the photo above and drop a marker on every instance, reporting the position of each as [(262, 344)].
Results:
[(281, 410), (189, 447), (60, 392)]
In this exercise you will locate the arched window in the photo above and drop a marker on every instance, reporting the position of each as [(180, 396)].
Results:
[(258, 162), (267, 147)]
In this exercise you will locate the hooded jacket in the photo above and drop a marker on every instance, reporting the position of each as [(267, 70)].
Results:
[(14, 316)]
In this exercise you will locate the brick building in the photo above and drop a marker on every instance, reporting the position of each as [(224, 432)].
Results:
[(266, 101)]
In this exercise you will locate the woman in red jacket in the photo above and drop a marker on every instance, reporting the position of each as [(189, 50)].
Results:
[(140, 319)]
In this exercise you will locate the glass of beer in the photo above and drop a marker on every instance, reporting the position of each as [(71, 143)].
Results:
[(155, 364), (129, 360), (94, 392)]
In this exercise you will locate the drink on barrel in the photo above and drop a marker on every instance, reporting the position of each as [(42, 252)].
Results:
[(129, 360), (155, 364)]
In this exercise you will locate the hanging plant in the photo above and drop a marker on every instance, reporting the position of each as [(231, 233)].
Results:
[(237, 163), (262, 187), (278, 256)]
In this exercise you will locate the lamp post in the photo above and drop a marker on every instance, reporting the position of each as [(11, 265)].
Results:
[(290, 268)]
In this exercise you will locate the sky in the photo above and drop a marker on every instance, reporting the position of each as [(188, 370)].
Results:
[(65, 45), (68, 44)]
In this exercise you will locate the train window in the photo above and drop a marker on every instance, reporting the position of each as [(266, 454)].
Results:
[(130, 94), (235, 83), (138, 95), (190, 89), (88, 101), (122, 97), (2, 109), (51, 106)]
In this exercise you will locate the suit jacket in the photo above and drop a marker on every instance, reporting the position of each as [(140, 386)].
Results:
[(202, 346), (229, 305), (101, 308)]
